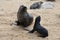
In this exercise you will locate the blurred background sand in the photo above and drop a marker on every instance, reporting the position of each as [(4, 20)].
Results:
[(49, 19)]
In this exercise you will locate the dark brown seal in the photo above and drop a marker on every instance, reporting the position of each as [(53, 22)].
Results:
[(24, 18), (40, 29)]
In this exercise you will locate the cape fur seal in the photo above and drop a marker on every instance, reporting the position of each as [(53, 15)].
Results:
[(50, 0), (23, 17), (37, 27), (36, 5)]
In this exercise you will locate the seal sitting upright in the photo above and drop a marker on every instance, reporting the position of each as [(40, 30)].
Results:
[(37, 27), (23, 17)]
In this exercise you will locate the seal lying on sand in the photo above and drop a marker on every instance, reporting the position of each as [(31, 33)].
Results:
[(36, 5), (23, 17), (50, 0), (37, 27)]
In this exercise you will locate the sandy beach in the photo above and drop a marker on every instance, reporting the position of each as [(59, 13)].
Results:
[(8, 14)]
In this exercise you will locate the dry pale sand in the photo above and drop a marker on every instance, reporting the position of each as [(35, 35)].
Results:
[(49, 19)]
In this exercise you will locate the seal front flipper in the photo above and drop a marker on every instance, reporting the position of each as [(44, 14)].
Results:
[(18, 23), (31, 31), (15, 23)]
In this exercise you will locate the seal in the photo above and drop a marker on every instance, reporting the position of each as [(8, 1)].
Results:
[(50, 0), (37, 27), (36, 5), (24, 18)]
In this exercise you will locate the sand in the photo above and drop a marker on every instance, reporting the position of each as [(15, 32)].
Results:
[(49, 19)]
